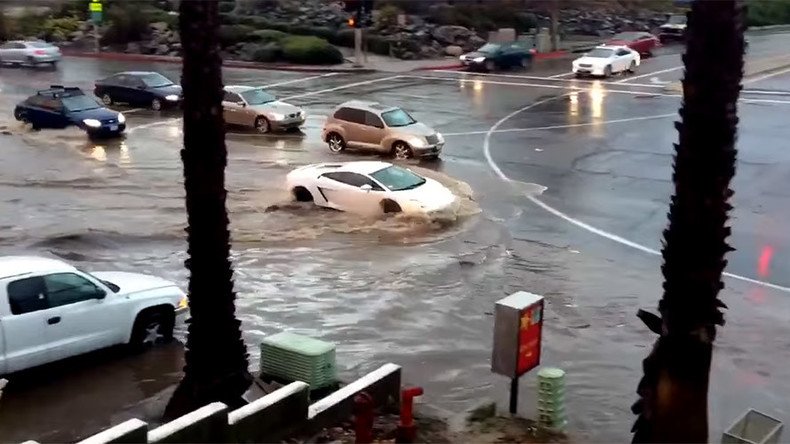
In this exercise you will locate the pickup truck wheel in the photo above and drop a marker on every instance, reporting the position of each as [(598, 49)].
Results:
[(152, 327)]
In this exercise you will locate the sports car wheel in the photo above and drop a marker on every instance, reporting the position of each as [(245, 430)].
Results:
[(262, 125), (302, 194), (106, 99), (632, 67), (390, 206), (156, 104)]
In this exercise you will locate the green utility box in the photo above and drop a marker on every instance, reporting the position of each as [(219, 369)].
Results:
[(290, 357)]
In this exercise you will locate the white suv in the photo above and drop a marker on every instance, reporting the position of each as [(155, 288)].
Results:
[(50, 310)]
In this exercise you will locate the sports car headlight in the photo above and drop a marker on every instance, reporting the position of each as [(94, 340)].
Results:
[(440, 137), (121, 118), (171, 97), (277, 116), (419, 142), (479, 59), (93, 123), (183, 303)]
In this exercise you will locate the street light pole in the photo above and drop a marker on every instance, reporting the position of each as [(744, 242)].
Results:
[(357, 47)]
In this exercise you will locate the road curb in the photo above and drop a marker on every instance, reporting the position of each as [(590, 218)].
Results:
[(756, 69), (119, 56)]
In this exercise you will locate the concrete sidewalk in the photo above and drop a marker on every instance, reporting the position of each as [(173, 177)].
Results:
[(751, 70)]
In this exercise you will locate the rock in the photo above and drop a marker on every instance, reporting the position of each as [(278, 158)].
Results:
[(133, 48), (76, 35), (476, 41), (159, 26), (429, 52), (450, 34), (162, 49), (453, 50)]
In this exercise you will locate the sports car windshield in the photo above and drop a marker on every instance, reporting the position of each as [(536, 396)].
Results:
[(257, 97), (600, 53), (397, 117), (79, 103), (398, 179), (489, 48), (155, 80)]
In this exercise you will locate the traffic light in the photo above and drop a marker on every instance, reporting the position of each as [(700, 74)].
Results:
[(352, 21), (361, 13)]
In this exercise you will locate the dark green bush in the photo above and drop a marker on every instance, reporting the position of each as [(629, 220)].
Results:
[(229, 35), (344, 37), (227, 6), (271, 52), (768, 12), (58, 29), (310, 50), (378, 45), (126, 24), (158, 15), (5, 33), (269, 35), (72, 8)]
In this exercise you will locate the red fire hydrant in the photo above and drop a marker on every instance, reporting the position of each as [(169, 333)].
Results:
[(363, 419), (407, 430)]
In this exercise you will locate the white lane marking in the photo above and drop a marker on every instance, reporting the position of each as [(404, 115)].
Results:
[(549, 79), (564, 74), (133, 110), (641, 76), (571, 125), (305, 79), (310, 93), (766, 92), (337, 88), (767, 76), (577, 222), (579, 88)]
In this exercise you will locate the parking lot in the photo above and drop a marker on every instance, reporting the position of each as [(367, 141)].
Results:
[(565, 184)]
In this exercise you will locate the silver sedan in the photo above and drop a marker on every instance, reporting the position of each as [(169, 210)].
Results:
[(32, 53)]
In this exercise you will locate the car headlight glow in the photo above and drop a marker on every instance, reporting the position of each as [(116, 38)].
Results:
[(121, 118), (171, 97), (93, 123), (277, 116), (419, 142), (183, 303), (479, 59), (440, 137)]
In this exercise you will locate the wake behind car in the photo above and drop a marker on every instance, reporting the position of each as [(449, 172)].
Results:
[(60, 107), (606, 60), (33, 53), (383, 128), (50, 310), (139, 88), (498, 55), (368, 188), (255, 108)]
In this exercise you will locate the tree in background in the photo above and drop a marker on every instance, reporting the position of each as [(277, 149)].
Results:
[(4, 33), (216, 357), (673, 404)]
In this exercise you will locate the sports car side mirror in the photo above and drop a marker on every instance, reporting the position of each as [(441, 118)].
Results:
[(366, 188)]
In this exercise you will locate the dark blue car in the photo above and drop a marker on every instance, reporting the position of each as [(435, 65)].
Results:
[(60, 107), (492, 56), (139, 88)]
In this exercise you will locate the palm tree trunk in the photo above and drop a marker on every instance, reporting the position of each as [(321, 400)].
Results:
[(216, 357), (673, 403)]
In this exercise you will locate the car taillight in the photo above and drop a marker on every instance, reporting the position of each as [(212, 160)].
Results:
[(39, 52)]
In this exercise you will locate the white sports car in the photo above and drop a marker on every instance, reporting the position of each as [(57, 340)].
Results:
[(369, 188), (607, 60)]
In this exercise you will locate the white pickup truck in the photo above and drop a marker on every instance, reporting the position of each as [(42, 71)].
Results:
[(50, 310)]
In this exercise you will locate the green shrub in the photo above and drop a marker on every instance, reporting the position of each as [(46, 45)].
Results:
[(310, 50), (227, 6), (72, 8), (768, 12), (229, 35), (378, 45), (158, 15), (126, 24), (269, 35), (58, 29), (323, 32), (344, 37), (271, 52), (388, 16)]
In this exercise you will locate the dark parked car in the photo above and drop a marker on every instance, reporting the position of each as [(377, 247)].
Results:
[(673, 29), (498, 55), (139, 88), (642, 42), (61, 107)]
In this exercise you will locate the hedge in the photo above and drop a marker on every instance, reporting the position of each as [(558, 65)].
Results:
[(768, 12), (312, 50), (229, 35)]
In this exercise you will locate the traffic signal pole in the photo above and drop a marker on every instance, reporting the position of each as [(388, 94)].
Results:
[(357, 47)]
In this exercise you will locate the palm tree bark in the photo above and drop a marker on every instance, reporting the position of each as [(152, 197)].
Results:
[(673, 403), (216, 357)]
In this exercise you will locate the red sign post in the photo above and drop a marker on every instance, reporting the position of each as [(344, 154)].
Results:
[(518, 328)]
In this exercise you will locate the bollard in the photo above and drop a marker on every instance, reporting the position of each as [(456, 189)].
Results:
[(363, 419), (407, 430), (551, 399)]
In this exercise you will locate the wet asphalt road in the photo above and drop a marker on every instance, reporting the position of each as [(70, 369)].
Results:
[(567, 184)]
